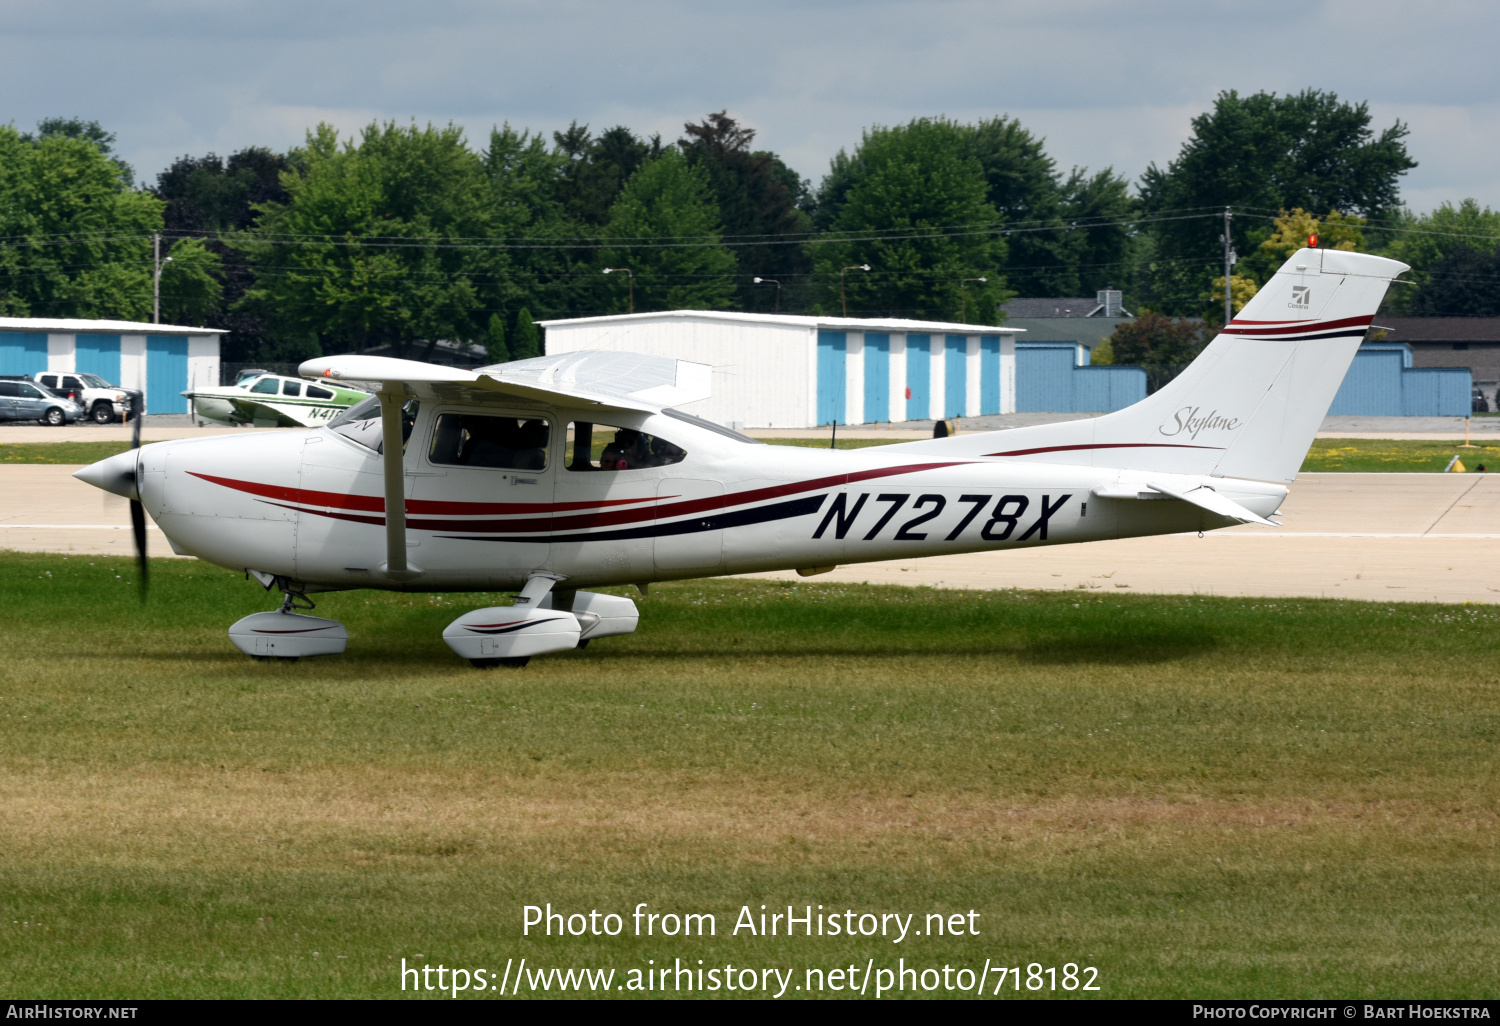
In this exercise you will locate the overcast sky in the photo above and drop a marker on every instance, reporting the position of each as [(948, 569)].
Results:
[(1105, 83)]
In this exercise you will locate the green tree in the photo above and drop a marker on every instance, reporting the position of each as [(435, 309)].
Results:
[(594, 170), (77, 239), (525, 199), (528, 337), (759, 199), (669, 201), (1426, 241), (1263, 153), (1464, 283), (494, 344), (381, 228), (206, 197), (191, 292), (919, 190), (1154, 340), (90, 132)]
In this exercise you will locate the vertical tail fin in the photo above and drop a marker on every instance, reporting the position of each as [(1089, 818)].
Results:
[(1250, 405)]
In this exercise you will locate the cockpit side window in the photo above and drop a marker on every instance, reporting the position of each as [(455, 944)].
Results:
[(604, 447), (482, 440), (266, 386)]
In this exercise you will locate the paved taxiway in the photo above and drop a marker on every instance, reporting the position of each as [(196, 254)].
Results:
[(1382, 537)]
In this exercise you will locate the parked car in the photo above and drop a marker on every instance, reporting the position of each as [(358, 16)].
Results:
[(1479, 403), (101, 401), (24, 399)]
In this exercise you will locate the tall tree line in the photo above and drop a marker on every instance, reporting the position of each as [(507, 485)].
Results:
[(404, 234)]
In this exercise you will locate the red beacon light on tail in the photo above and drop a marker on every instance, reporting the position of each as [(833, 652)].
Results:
[(1312, 242)]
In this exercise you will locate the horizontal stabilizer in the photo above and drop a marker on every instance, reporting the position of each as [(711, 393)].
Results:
[(1203, 497), (1207, 498)]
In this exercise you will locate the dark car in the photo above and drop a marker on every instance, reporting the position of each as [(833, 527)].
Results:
[(1479, 404), (23, 399)]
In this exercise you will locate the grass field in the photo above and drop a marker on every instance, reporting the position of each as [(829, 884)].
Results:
[(1199, 797), (1327, 454)]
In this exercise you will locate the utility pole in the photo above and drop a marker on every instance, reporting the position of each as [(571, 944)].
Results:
[(158, 263), (1229, 261)]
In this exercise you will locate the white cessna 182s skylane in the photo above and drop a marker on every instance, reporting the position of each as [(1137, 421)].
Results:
[(562, 473)]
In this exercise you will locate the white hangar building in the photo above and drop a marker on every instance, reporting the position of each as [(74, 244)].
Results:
[(783, 371), (162, 360)]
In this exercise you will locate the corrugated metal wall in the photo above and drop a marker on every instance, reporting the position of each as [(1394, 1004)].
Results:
[(98, 354), (1054, 377), (1382, 383), (22, 352), (777, 375)]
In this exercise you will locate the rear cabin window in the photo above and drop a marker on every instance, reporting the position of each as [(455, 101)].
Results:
[(604, 447), (481, 440), (314, 392)]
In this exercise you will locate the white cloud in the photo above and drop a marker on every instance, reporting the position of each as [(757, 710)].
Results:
[(1107, 83)]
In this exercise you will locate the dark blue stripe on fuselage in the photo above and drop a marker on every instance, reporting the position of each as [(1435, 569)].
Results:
[(695, 525)]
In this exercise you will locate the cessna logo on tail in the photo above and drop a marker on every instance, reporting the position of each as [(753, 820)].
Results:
[(1301, 297), (1190, 422)]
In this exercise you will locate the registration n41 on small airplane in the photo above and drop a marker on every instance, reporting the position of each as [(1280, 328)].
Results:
[(559, 474)]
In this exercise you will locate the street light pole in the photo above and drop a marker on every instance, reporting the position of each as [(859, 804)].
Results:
[(843, 300), (630, 275), (962, 286), (772, 281), (157, 264)]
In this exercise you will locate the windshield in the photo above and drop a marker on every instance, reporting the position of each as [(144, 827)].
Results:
[(94, 381)]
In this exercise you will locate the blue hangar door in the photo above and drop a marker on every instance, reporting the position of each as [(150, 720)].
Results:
[(877, 378), (98, 354), (832, 347), (166, 374), (918, 377)]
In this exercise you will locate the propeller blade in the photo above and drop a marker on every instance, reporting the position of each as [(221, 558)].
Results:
[(138, 528), (137, 511)]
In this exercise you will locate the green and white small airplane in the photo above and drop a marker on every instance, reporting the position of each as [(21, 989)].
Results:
[(273, 400)]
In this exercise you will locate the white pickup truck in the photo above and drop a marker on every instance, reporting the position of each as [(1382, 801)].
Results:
[(102, 402)]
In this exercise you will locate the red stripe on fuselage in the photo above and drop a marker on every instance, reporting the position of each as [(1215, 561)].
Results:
[(571, 523), (376, 503), (1103, 445)]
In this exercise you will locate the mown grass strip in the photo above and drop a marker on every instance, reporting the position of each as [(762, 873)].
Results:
[(1205, 797)]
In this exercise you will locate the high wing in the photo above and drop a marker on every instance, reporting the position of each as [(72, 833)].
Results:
[(603, 380), (625, 381)]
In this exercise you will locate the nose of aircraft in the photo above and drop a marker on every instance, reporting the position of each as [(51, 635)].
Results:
[(115, 474)]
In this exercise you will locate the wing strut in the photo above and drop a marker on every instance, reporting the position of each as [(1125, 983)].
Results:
[(392, 451)]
